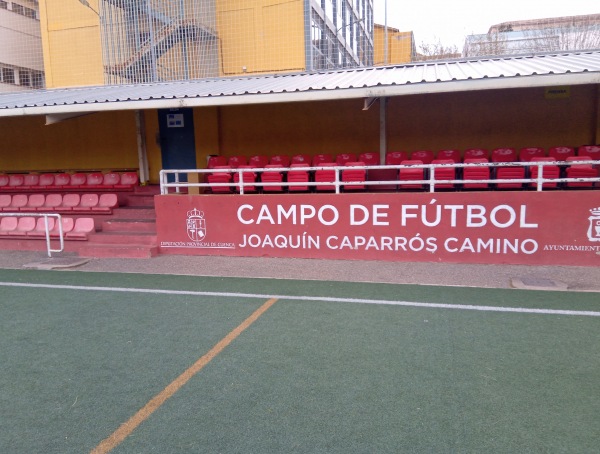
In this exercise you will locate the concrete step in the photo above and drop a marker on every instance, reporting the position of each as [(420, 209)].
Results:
[(132, 251), (136, 200), (128, 238), (129, 225), (141, 212)]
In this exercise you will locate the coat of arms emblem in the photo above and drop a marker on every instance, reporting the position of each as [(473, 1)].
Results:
[(196, 225), (594, 228)]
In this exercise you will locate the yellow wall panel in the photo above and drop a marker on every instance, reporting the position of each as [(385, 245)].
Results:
[(237, 38), (283, 42)]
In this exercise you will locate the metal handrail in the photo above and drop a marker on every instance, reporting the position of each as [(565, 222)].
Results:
[(58, 217), (337, 183)]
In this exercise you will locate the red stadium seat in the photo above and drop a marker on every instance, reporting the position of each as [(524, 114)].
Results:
[(46, 180), (62, 180), (411, 174), (320, 158), (81, 229), (106, 203), (3, 182), (325, 175), (258, 161), (504, 155), (298, 176), (16, 181), (31, 181), (34, 202), (454, 155), (425, 156), (87, 203), (280, 160), (272, 177), (218, 178), (24, 224), (301, 159), (235, 161), (370, 159), (507, 173), (5, 200), (247, 179), (548, 171), (476, 173), (69, 202), (395, 158), (591, 151), (580, 171), (76, 181), (110, 180), (561, 153), (128, 180), (476, 153), (40, 227), (351, 174), (444, 173), (526, 154), (342, 158), (94, 180), (18, 201), (214, 161), (51, 203), (67, 225)]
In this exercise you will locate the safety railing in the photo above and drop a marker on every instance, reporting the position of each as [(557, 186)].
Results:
[(58, 222), (431, 181)]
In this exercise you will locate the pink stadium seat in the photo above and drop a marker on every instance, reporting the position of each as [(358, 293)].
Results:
[(16, 181), (82, 228), (394, 158), (549, 171), (214, 161), (425, 156), (272, 177), (24, 224), (34, 202), (128, 180), (526, 154), (325, 175), (94, 180), (444, 173), (220, 177), (301, 159), (5, 200), (410, 174), (8, 224), (235, 161), (46, 180), (87, 203), (476, 153), (51, 203), (342, 158), (476, 173), (320, 158), (580, 171), (280, 160), (110, 180), (76, 180), (258, 161), (3, 182), (561, 153), (31, 181), (18, 201), (69, 202), (40, 227), (62, 179), (67, 226), (298, 176), (106, 203), (454, 155), (351, 174), (369, 158), (247, 177)]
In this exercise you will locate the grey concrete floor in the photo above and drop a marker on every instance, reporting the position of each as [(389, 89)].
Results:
[(448, 274)]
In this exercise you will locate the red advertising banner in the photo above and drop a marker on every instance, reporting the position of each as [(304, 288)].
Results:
[(547, 228)]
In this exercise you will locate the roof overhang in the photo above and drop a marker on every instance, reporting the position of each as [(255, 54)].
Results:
[(431, 77)]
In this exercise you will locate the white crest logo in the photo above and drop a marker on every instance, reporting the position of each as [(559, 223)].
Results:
[(196, 225), (594, 228)]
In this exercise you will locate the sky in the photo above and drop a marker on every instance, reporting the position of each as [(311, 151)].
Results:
[(451, 20)]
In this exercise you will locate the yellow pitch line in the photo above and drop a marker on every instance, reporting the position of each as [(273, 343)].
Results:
[(117, 437)]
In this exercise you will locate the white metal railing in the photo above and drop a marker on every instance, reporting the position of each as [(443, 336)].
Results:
[(337, 183), (46, 216)]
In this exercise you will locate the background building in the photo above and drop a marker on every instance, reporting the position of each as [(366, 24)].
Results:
[(21, 63), (400, 46)]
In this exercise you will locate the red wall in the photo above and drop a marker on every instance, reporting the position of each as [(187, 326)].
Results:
[(554, 228)]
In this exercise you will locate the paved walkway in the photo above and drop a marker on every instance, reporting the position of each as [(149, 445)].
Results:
[(491, 276)]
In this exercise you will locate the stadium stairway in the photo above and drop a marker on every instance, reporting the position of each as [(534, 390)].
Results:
[(130, 232)]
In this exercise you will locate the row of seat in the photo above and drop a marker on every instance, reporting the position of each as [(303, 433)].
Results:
[(560, 153), (79, 181), (59, 203), (35, 227), (471, 175)]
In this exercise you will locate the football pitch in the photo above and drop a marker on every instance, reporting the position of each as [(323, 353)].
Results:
[(137, 363)]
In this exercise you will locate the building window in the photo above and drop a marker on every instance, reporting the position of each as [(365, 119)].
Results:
[(8, 75), (3, 4), (24, 78), (23, 10), (37, 79)]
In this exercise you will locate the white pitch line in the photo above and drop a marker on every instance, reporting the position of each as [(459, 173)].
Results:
[(520, 310)]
